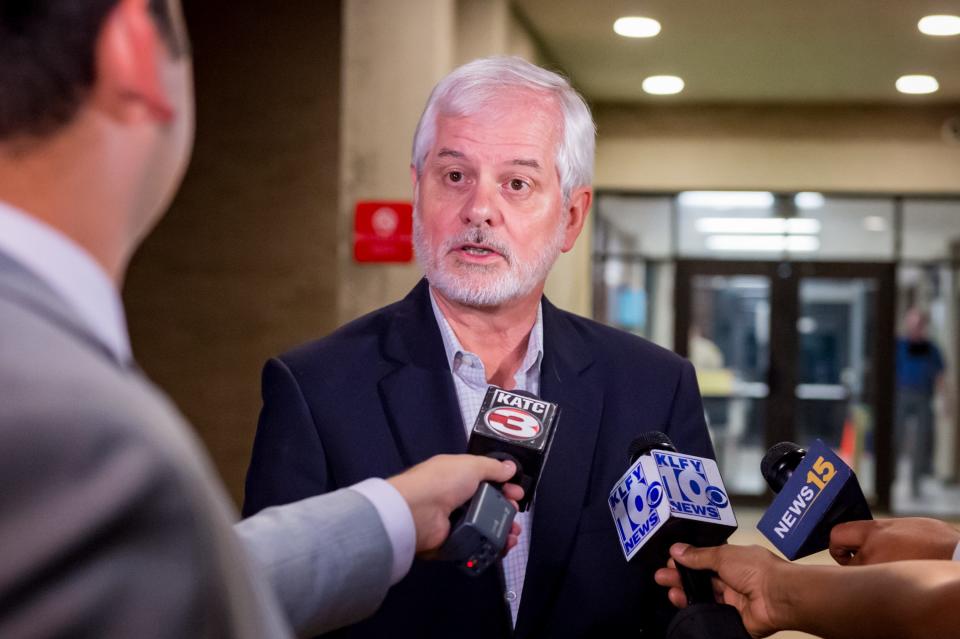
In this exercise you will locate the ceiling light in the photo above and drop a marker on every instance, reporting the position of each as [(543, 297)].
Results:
[(759, 225), (875, 223), (724, 200), (636, 27), (663, 84), (808, 200), (917, 84), (940, 25), (763, 243)]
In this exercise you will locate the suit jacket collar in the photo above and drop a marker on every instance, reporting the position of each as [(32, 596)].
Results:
[(22, 287)]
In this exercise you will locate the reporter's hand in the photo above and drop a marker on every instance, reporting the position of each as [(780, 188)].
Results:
[(746, 580), (874, 541), (434, 488)]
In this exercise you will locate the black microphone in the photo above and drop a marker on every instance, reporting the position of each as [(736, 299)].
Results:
[(512, 426), (667, 497), (517, 426), (815, 491)]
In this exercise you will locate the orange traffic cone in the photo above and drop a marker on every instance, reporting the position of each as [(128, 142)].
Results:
[(848, 442)]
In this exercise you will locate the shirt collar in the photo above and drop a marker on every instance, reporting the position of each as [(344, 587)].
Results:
[(452, 346), (71, 272)]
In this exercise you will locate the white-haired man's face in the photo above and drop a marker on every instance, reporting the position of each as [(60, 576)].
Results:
[(489, 217)]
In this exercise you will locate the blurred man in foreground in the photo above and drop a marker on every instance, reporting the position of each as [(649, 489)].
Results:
[(112, 521), (901, 600)]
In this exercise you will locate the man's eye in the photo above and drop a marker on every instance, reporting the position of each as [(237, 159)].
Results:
[(455, 176), (517, 184)]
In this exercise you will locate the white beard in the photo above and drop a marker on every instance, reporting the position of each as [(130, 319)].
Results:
[(479, 284)]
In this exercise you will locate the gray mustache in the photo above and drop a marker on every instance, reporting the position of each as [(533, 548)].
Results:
[(478, 236)]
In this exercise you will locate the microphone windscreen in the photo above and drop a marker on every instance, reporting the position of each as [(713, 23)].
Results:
[(647, 442), (779, 463)]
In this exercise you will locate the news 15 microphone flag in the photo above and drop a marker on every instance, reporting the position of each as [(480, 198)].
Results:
[(819, 492)]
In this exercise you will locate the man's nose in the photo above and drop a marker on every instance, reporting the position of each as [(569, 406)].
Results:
[(482, 208)]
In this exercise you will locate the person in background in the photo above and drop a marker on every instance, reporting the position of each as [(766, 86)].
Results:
[(920, 368)]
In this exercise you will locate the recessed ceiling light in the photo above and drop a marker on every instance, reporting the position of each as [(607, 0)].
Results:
[(808, 200), (663, 84), (636, 27), (875, 223), (763, 243), (726, 200), (758, 225), (940, 25), (917, 84)]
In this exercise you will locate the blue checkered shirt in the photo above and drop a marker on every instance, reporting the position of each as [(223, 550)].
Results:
[(470, 381)]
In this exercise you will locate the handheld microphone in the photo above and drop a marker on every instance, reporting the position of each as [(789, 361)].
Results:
[(513, 426), (517, 426), (815, 491), (666, 497)]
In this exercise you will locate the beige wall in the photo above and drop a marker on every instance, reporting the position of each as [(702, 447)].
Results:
[(243, 267), (826, 148)]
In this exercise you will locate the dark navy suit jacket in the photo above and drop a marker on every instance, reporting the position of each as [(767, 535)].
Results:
[(377, 396)]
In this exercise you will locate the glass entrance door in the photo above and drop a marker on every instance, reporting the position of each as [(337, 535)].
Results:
[(791, 351)]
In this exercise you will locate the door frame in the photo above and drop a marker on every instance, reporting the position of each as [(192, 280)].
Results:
[(784, 278)]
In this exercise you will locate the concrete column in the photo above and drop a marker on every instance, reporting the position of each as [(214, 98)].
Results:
[(393, 54), (482, 29)]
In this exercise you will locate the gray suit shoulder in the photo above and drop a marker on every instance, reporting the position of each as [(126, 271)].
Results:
[(119, 523)]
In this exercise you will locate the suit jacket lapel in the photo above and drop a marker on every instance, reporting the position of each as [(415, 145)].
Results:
[(564, 379), (419, 397)]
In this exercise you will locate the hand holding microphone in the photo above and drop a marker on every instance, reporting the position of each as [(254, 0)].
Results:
[(896, 600), (874, 541), (666, 497), (514, 427), (748, 578), (435, 488)]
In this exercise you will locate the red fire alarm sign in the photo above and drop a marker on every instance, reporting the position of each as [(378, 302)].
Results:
[(383, 232)]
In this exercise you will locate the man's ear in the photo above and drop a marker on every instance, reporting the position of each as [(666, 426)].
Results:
[(129, 55), (577, 210)]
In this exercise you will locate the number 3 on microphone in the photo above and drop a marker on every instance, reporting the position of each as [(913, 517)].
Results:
[(823, 471)]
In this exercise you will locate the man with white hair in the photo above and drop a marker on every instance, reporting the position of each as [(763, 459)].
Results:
[(502, 168)]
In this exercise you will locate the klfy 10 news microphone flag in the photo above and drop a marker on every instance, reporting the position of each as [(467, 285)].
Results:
[(667, 497)]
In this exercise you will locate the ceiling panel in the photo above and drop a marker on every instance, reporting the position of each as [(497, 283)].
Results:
[(751, 50)]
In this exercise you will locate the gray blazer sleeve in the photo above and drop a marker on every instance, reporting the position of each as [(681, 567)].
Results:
[(327, 557), (96, 539)]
